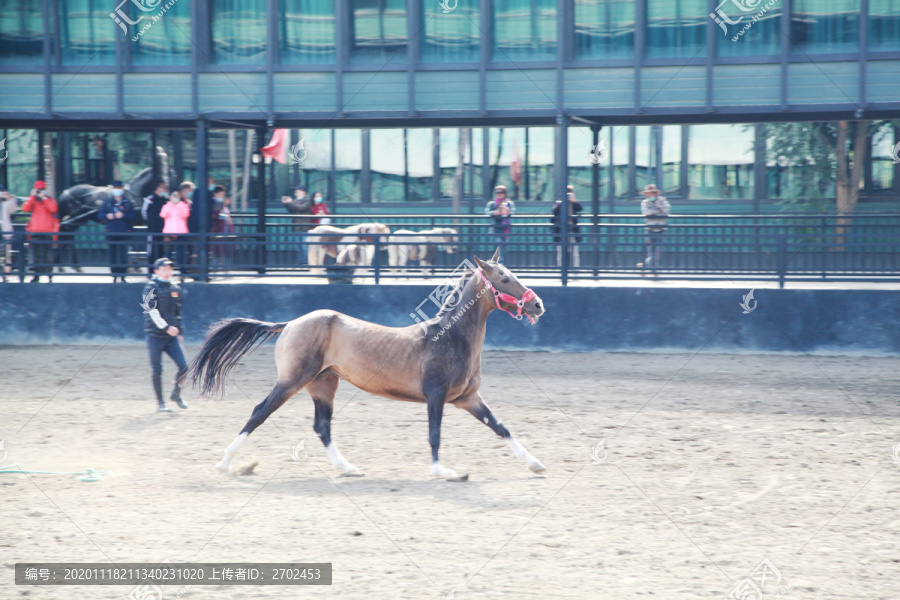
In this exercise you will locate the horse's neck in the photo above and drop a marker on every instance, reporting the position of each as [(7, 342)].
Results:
[(470, 319)]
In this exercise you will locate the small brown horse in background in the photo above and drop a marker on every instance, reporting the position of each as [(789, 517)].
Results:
[(436, 362)]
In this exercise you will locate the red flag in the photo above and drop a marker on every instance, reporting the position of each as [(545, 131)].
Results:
[(277, 147), (515, 168)]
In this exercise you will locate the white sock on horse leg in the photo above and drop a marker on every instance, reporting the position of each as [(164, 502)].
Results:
[(230, 450), (338, 460), (438, 470), (533, 463)]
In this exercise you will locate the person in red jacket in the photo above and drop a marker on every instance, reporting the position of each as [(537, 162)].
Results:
[(41, 227)]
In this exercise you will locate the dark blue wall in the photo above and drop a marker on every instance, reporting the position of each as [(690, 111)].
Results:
[(577, 319)]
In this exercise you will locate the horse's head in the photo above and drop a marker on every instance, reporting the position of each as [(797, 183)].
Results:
[(450, 238), (368, 231), (508, 292)]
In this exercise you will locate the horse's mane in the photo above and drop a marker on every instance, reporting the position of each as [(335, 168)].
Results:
[(457, 291)]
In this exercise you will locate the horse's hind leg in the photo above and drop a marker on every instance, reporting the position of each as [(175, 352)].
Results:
[(322, 390), (278, 396), (477, 407)]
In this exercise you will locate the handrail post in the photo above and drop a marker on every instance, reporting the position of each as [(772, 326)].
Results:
[(19, 240), (204, 256), (782, 259), (376, 262)]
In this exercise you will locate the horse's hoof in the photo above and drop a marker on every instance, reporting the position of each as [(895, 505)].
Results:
[(350, 471), (537, 467), (439, 471), (221, 467), (459, 478)]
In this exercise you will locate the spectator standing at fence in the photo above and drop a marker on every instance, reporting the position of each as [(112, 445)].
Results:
[(162, 301), (574, 233), (320, 209), (41, 227), (300, 204), (8, 205), (118, 215), (655, 209), (192, 241), (150, 212), (221, 225), (175, 215), (501, 210)]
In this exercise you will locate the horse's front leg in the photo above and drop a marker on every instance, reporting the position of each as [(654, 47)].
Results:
[(476, 405), (435, 402)]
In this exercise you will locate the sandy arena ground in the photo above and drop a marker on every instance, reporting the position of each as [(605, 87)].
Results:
[(669, 476)]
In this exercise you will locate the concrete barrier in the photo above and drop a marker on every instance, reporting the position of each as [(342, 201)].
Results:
[(577, 319)]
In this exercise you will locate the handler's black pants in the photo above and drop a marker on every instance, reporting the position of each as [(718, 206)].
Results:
[(169, 345)]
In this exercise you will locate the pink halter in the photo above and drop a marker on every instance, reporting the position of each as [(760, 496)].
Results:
[(498, 296)]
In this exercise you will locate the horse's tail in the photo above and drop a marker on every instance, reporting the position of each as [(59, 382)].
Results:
[(226, 344)]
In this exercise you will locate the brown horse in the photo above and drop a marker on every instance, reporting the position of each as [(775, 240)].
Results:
[(436, 362)]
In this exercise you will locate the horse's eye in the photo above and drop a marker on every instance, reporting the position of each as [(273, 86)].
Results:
[(505, 280)]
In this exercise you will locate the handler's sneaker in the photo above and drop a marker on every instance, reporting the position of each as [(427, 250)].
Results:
[(163, 408)]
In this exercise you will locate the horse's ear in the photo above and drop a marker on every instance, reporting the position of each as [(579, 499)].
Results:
[(496, 257), (483, 265)]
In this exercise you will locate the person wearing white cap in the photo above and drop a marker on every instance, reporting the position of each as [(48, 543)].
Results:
[(655, 209)]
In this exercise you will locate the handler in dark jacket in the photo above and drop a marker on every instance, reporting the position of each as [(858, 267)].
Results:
[(118, 214), (162, 302)]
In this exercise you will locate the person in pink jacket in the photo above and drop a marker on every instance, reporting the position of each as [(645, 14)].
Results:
[(175, 215)]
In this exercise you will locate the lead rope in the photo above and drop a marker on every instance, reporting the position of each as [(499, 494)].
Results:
[(88, 476)]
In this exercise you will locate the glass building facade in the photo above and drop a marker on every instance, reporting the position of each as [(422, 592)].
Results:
[(409, 103)]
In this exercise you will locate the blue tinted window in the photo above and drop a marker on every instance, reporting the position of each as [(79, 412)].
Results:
[(88, 33), (378, 30), (239, 31), (306, 31), (884, 26), (737, 34), (676, 28), (165, 41), (604, 29), (450, 37), (825, 26), (524, 30), (21, 32)]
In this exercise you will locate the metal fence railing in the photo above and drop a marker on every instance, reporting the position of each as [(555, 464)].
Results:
[(786, 247)]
